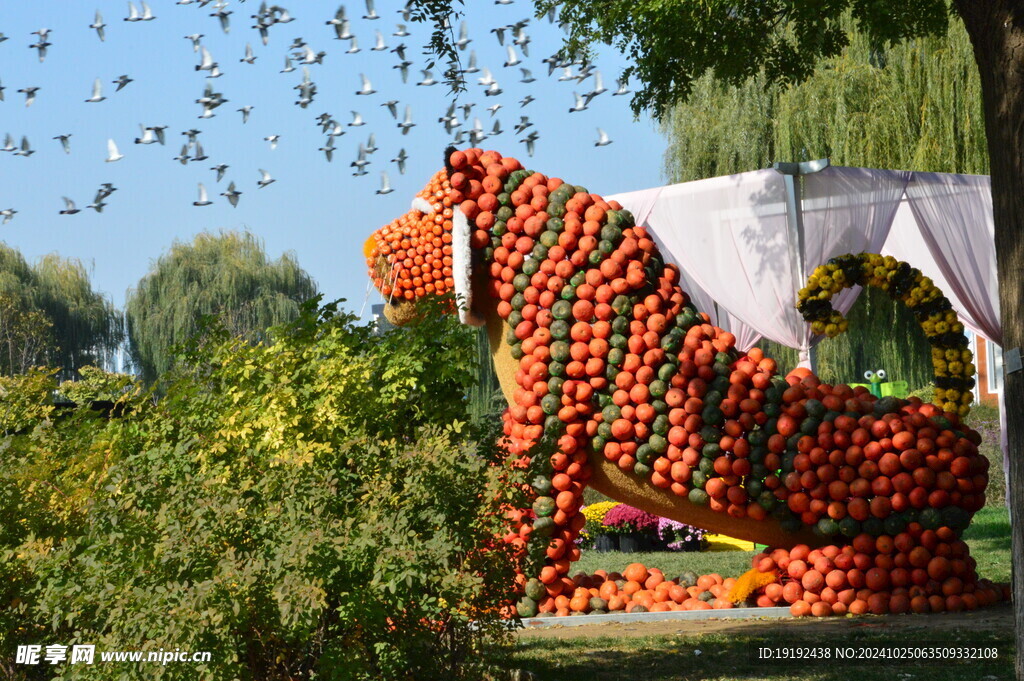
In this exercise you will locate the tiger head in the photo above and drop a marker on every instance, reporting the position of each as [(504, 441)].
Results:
[(430, 250)]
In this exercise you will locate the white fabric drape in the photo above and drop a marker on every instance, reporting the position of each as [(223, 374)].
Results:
[(954, 214), (846, 210)]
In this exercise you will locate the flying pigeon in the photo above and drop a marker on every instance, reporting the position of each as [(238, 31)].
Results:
[(367, 88), (273, 140), (379, 45), (199, 155), (8, 214), (580, 104), (599, 87), (203, 199), (401, 32), (97, 204), (105, 190), (428, 78), (328, 149), (529, 140), (183, 157), (407, 123), (464, 38), (621, 88), (121, 81), (249, 57), (195, 37), (403, 67), (232, 195), (220, 168), (69, 207), (513, 58), (224, 16), (266, 179), (371, 13), (385, 183), (602, 139), (98, 25), (42, 44), (361, 160), (64, 142), (30, 94), (357, 119), (207, 63), (337, 21), (112, 153), (97, 92), (400, 160), (392, 105), (343, 32), (246, 110), (25, 149)]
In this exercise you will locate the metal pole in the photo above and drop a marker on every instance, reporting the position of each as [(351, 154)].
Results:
[(794, 216)]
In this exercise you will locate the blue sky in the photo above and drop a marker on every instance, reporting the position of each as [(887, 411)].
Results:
[(315, 208)]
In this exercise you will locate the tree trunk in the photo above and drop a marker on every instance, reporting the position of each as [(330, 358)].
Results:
[(996, 28)]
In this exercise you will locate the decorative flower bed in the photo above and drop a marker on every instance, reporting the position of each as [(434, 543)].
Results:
[(612, 526)]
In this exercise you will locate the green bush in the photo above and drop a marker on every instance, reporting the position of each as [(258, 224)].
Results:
[(316, 507)]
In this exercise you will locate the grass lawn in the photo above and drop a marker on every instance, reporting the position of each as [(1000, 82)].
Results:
[(725, 563)]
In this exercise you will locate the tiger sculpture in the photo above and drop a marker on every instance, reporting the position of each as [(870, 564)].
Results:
[(599, 351)]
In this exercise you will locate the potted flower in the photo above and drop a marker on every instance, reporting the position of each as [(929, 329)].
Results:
[(635, 528), (677, 536), (595, 530)]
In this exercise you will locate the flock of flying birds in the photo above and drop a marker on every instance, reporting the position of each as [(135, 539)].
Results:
[(514, 38)]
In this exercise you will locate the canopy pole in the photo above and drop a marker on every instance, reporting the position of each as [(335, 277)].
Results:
[(795, 220)]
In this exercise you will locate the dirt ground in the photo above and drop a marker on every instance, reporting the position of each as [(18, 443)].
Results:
[(996, 617)]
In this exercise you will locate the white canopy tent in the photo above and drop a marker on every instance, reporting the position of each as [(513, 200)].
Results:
[(746, 243)]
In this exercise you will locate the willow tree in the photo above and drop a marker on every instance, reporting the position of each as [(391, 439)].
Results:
[(227, 276), (915, 105), (52, 316)]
